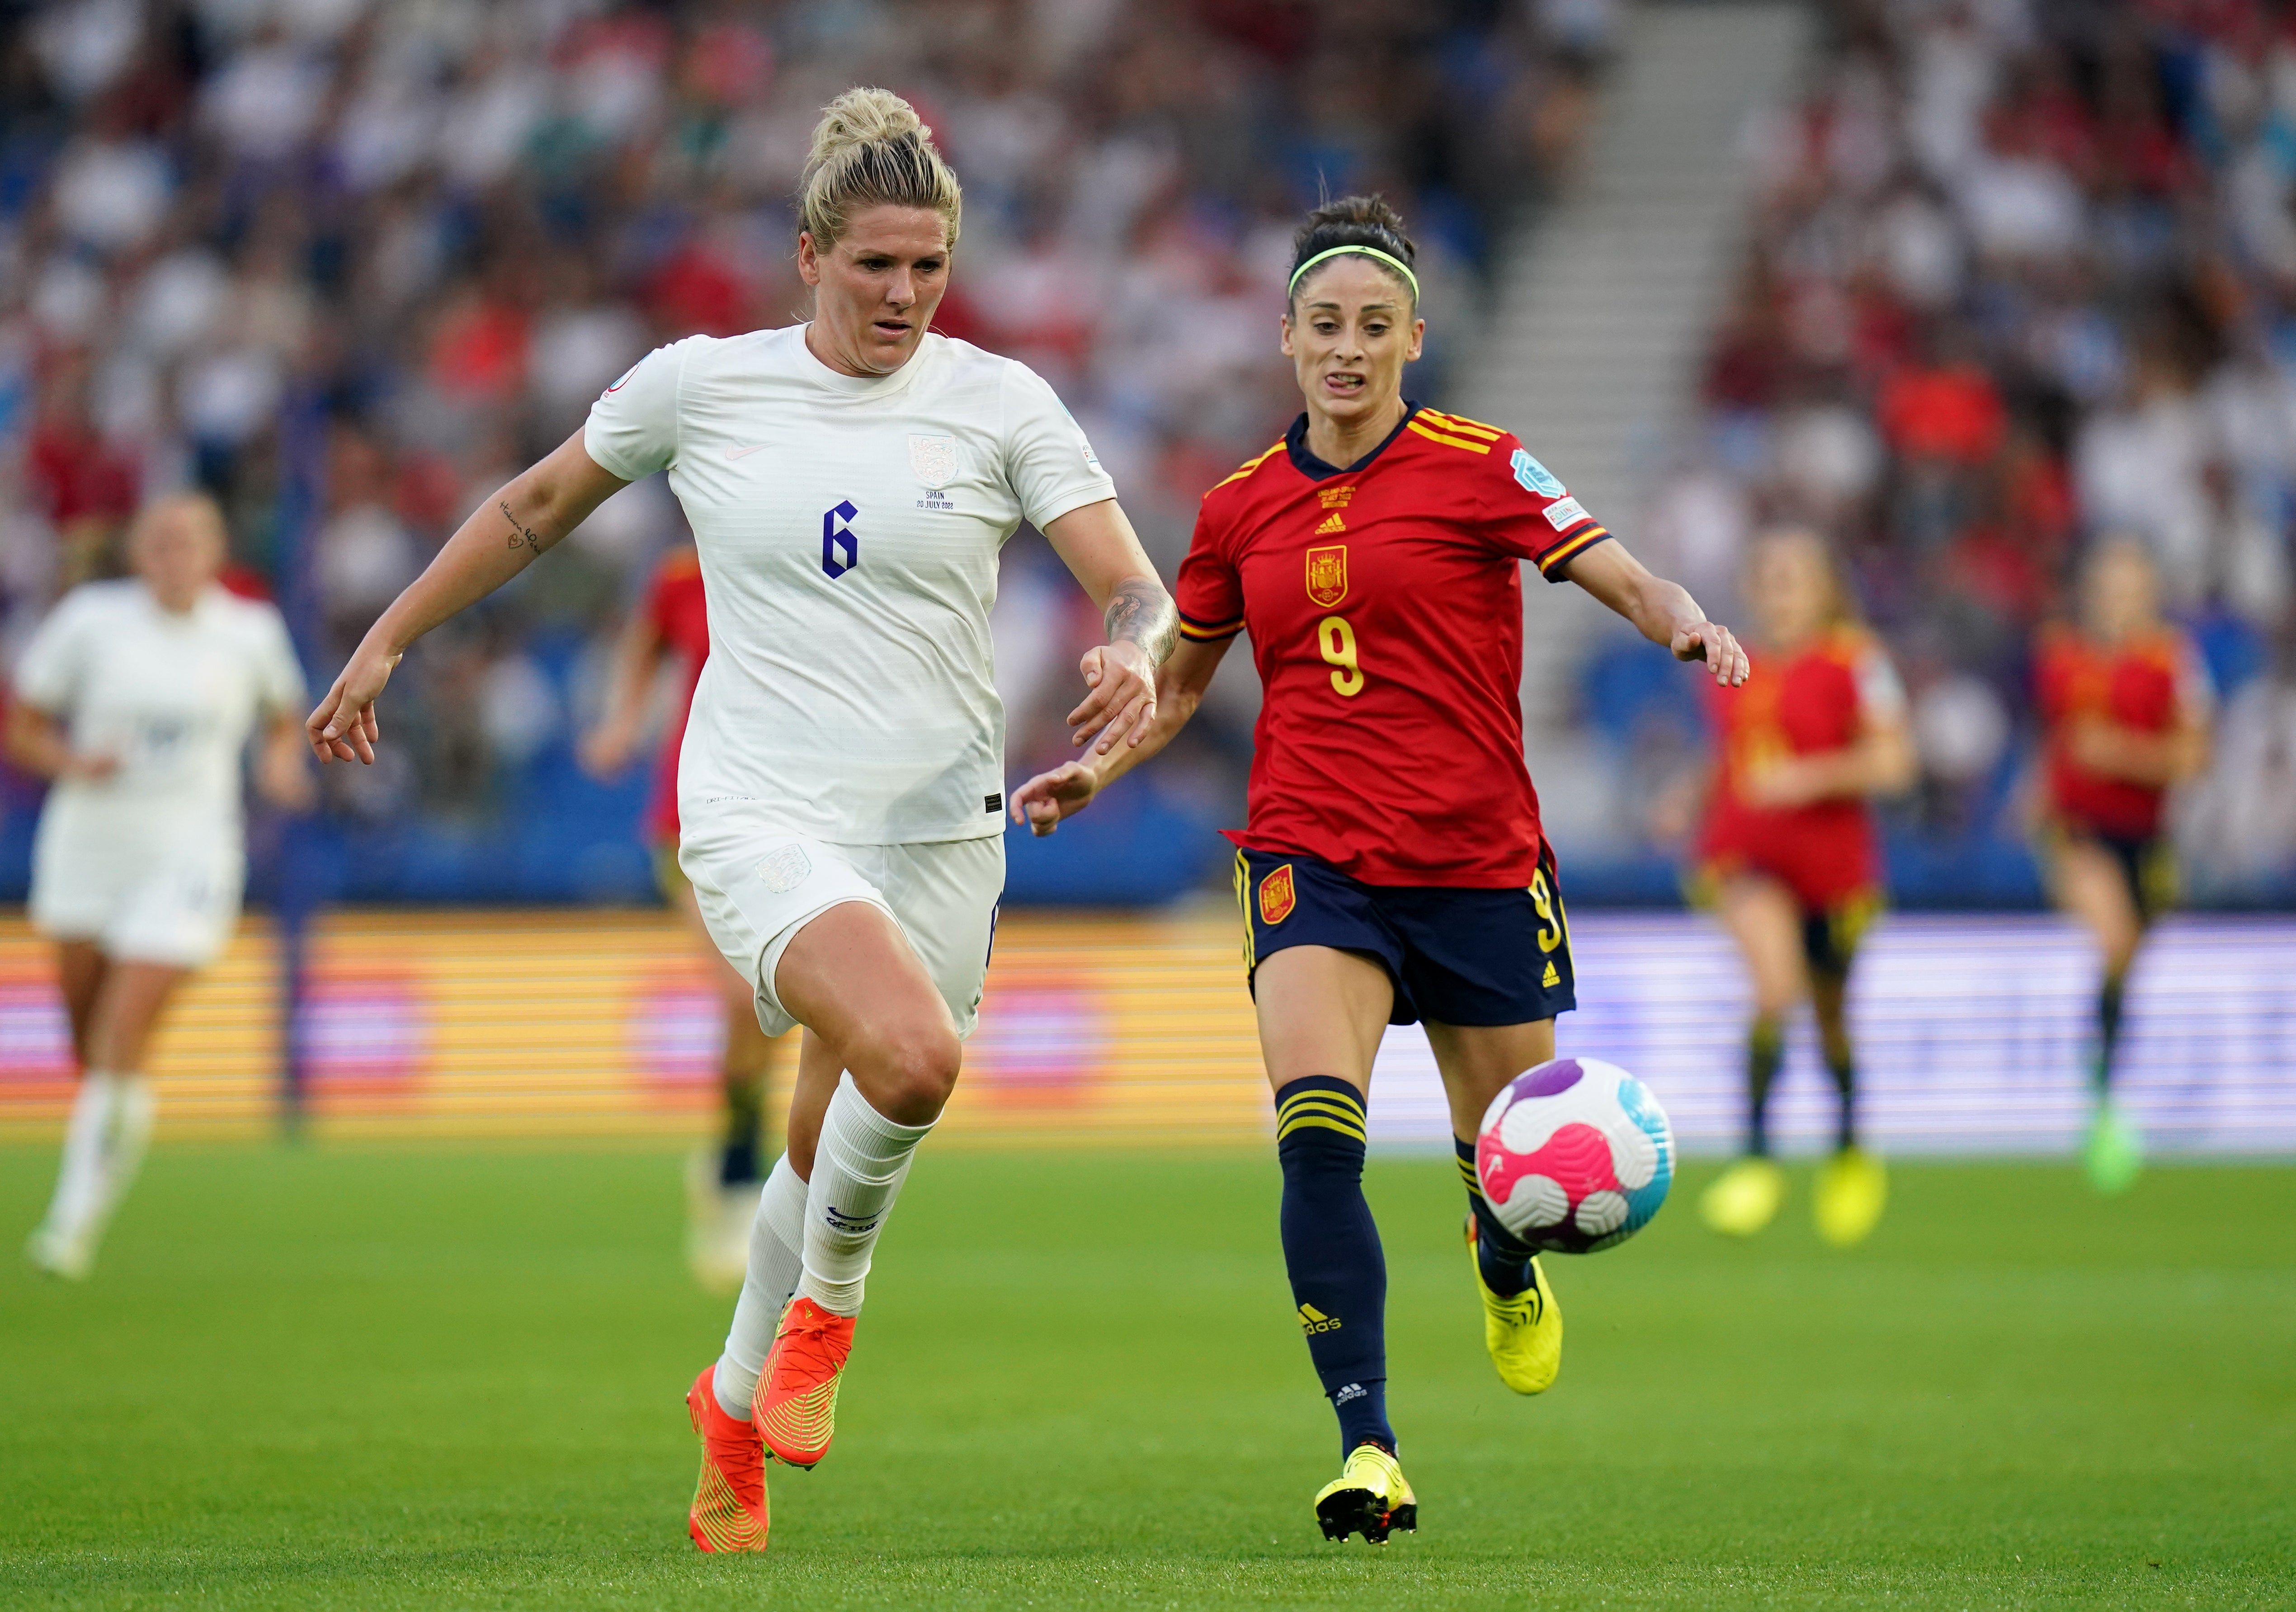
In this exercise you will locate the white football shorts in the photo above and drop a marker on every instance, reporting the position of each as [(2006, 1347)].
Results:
[(172, 901), (757, 888)]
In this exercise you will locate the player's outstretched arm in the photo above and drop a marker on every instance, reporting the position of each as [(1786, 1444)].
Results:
[(1100, 548), (1049, 797), (1662, 611), (532, 511)]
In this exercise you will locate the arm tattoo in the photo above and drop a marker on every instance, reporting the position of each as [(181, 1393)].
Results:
[(1143, 612), (521, 536)]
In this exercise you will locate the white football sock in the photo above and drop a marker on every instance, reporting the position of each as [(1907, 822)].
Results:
[(857, 1170), (133, 1110), (79, 1195), (777, 1257)]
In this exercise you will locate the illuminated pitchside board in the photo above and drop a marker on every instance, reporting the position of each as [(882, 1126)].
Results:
[(1128, 1030)]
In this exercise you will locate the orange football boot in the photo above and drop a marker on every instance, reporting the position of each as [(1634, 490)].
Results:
[(729, 1502), (795, 1411)]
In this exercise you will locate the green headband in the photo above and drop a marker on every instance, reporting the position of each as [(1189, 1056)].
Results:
[(1389, 258)]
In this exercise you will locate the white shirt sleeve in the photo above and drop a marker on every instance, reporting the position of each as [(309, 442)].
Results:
[(632, 430), (49, 672), (279, 686), (1049, 463)]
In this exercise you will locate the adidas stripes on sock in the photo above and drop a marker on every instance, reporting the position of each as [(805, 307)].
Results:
[(858, 1170), (777, 1259), (1331, 1252), (1503, 1258)]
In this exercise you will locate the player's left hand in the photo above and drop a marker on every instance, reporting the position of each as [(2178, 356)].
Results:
[(1122, 704), (1051, 798), (1715, 644)]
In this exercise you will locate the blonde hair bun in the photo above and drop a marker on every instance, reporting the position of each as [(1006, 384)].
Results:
[(871, 149)]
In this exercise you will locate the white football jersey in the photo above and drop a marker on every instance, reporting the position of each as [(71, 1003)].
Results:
[(173, 696), (849, 530)]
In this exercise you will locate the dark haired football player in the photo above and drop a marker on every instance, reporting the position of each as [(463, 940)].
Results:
[(2125, 709), (1393, 870)]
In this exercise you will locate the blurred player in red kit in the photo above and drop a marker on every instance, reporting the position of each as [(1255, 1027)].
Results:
[(2125, 709), (672, 625), (1789, 856)]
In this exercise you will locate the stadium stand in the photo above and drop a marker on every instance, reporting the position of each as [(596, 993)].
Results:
[(348, 265)]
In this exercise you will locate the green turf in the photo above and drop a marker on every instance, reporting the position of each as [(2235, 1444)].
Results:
[(338, 1378)]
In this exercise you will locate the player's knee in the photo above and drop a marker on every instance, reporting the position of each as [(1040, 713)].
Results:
[(913, 1069)]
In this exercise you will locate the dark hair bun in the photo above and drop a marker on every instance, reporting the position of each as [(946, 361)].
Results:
[(1353, 221)]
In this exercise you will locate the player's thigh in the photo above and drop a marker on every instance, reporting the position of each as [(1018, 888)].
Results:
[(1322, 1011), (850, 975), (1765, 921), (1476, 1061), (2090, 885), (135, 994), (80, 968)]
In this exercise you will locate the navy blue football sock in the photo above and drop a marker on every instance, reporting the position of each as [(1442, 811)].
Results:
[(2108, 1030), (1765, 1050), (1331, 1249), (1503, 1258)]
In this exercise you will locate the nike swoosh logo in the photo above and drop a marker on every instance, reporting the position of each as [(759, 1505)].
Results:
[(744, 453)]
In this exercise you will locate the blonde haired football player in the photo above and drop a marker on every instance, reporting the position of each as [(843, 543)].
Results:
[(137, 697), (840, 790)]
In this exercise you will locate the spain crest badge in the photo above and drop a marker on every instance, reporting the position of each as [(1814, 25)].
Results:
[(1327, 574), (1276, 896)]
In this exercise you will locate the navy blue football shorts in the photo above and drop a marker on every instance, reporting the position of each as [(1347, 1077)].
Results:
[(1463, 957)]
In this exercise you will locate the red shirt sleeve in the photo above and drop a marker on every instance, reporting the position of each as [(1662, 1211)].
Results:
[(1529, 514), (1210, 595)]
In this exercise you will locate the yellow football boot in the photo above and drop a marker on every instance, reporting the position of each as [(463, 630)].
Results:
[(1852, 1187), (1524, 1333), (1369, 1497), (1744, 1198)]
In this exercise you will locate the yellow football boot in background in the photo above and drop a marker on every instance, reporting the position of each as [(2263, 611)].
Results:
[(1744, 1198), (1852, 1188)]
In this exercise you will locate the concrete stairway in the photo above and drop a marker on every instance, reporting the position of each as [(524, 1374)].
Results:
[(1604, 314)]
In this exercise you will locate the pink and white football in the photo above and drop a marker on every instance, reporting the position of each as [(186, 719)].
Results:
[(1575, 1154)]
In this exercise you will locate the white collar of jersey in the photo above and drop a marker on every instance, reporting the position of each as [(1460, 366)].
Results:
[(861, 386)]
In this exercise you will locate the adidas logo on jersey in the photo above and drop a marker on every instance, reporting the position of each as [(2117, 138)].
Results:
[(1312, 1320), (1331, 523), (1553, 977)]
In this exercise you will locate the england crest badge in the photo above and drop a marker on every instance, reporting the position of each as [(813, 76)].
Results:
[(934, 460)]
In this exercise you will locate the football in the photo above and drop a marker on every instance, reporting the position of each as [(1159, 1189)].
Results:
[(1575, 1154)]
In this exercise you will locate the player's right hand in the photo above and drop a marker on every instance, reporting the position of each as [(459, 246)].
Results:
[(342, 727), (1048, 798)]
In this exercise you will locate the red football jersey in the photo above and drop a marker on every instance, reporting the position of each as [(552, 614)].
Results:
[(676, 606), (1817, 699), (1385, 607), (2148, 684)]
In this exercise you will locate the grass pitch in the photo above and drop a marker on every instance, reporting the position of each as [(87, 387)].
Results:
[(389, 1378)]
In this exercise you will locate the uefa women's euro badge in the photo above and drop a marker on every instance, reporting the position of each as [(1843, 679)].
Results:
[(934, 460)]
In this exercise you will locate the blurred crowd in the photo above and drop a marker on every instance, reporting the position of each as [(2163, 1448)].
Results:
[(2023, 276), (361, 261)]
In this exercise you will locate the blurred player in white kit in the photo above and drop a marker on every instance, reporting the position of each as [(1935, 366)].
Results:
[(137, 699)]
